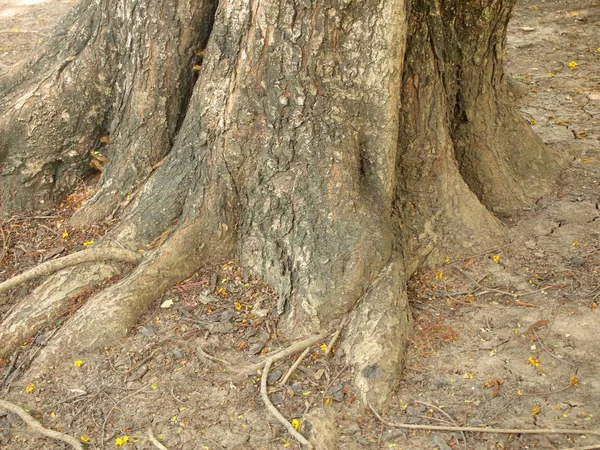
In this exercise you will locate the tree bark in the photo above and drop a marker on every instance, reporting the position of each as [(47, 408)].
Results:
[(114, 78), (332, 148)]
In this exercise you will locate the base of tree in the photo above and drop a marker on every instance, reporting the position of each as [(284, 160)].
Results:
[(331, 151)]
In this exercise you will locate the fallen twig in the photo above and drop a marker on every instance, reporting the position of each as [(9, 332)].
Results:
[(155, 441), (294, 348), (11, 365), (588, 447), (178, 400), (294, 366), (18, 371), (485, 430), (336, 335), (38, 428), (448, 416), (141, 363), (212, 358), (5, 244), (332, 341), (500, 291), (274, 411), (84, 256), (550, 353)]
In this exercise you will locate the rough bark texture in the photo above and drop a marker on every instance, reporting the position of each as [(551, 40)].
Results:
[(49, 301), (331, 147), (112, 69)]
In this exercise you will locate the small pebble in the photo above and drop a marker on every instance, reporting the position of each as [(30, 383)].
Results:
[(388, 435), (440, 442)]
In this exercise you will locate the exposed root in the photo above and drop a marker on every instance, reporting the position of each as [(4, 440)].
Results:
[(85, 256), (154, 441), (375, 336), (271, 408), (266, 366), (295, 348), (38, 428), (59, 295), (484, 430), (112, 313)]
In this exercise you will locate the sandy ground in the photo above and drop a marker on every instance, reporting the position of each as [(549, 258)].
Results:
[(506, 339)]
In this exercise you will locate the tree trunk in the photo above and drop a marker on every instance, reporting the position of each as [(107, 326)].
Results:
[(332, 148)]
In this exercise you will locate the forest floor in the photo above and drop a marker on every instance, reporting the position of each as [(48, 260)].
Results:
[(505, 339)]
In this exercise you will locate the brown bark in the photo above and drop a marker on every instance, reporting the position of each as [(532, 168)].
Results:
[(332, 148)]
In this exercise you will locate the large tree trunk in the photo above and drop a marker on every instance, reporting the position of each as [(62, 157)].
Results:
[(332, 148)]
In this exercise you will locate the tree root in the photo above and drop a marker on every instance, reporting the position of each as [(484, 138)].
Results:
[(85, 256), (271, 408), (57, 296), (113, 312), (295, 348), (38, 428), (266, 366), (484, 430), (375, 336)]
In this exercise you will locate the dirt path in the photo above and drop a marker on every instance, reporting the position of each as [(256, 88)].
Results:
[(503, 339)]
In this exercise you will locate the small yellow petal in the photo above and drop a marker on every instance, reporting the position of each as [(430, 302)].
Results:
[(120, 441), (78, 363), (534, 361), (85, 439), (29, 389), (296, 424)]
